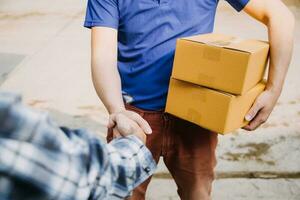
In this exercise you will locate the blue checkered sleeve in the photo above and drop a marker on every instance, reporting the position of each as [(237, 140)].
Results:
[(40, 160)]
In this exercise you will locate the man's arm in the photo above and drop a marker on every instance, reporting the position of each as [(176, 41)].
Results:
[(105, 74), (106, 79), (39, 160), (280, 23)]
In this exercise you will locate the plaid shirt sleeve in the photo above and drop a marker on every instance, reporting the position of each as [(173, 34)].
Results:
[(40, 160)]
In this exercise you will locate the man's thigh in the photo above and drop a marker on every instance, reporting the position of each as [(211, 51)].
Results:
[(191, 158)]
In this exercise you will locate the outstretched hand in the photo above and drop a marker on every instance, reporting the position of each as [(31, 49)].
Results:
[(126, 122)]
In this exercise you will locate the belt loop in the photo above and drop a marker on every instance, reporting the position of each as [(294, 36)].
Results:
[(165, 117)]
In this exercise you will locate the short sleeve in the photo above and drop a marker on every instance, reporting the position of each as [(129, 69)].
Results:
[(238, 5), (102, 13)]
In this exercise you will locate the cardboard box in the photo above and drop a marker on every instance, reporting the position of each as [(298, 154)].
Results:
[(220, 62), (211, 109)]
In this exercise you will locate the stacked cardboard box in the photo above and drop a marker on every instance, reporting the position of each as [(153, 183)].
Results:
[(216, 79)]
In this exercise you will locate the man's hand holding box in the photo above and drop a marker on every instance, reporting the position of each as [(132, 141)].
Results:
[(215, 80)]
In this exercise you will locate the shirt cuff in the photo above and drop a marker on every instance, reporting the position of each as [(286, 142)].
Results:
[(146, 163), (144, 155)]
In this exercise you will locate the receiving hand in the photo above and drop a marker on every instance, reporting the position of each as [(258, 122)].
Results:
[(126, 122)]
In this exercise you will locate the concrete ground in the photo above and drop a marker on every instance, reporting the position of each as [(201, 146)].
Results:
[(45, 56)]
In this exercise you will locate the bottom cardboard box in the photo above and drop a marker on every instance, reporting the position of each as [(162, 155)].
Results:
[(211, 109)]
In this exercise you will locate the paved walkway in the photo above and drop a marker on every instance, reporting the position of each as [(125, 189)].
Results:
[(44, 55)]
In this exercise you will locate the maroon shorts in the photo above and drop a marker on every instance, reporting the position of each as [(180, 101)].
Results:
[(188, 152)]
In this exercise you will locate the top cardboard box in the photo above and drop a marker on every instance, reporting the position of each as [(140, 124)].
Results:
[(220, 62)]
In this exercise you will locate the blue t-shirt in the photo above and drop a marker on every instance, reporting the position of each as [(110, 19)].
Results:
[(147, 33)]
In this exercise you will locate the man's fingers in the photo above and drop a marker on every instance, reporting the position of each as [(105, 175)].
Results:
[(116, 133), (125, 125), (256, 107), (111, 121), (141, 122), (259, 119), (129, 122)]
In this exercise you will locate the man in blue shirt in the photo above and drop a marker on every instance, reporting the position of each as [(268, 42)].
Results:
[(133, 44)]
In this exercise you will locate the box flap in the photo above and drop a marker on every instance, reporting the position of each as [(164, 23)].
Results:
[(201, 86), (229, 42)]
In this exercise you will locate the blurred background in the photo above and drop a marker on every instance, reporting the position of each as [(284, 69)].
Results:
[(45, 56)]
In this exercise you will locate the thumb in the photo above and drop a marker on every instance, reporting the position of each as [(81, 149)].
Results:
[(253, 111), (116, 133)]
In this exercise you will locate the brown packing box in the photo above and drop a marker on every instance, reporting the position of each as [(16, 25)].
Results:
[(220, 62), (211, 109)]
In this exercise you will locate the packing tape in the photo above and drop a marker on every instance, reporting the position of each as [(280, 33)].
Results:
[(237, 40), (213, 54), (193, 115), (224, 43)]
